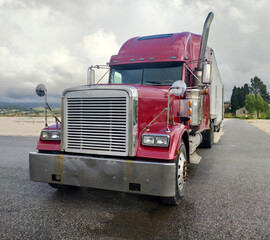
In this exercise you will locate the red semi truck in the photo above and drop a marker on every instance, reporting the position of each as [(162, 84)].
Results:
[(137, 133)]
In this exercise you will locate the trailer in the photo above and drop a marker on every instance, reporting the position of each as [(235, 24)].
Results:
[(216, 95)]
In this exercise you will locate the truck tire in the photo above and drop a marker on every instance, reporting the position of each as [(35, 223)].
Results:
[(181, 174), (208, 137), (60, 186), (217, 128)]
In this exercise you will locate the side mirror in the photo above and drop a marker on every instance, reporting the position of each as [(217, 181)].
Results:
[(206, 74), (91, 76), (178, 88), (41, 90)]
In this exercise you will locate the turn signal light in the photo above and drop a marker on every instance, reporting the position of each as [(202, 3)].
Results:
[(205, 91)]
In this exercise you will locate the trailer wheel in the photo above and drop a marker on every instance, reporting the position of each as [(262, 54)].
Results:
[(60, 186), (217, 128), (181, 175)]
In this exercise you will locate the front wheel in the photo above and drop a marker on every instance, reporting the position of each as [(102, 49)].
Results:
[(181, 175)]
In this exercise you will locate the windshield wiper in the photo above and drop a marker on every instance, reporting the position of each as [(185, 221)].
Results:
[(153, 83)]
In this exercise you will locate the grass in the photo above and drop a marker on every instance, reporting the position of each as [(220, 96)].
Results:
[(231, 115), (34, 112)]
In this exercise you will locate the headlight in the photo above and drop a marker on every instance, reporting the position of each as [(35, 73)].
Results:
[(51, 135), (155, 140)]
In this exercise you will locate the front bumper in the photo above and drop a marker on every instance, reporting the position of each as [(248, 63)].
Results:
[(149, 178)]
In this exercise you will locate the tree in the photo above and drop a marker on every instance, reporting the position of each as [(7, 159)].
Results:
[(258, 87), (235, 99), (250, 104), (241, 97), (259, 105), (266, 108), (246, 89), (238, 97), (256, 104)]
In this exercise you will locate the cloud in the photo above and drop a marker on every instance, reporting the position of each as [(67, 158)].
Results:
[(54, 42), (98, 46), (39, 49)]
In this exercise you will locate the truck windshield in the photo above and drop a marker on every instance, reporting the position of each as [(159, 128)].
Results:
[(157, 74)]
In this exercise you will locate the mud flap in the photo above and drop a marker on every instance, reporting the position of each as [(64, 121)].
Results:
[(195, 158)]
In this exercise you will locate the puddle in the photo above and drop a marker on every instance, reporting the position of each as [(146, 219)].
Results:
[(147, 221)]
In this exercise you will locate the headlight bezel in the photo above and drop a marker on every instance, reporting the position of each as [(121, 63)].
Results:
[(155, 140), (52, 135)]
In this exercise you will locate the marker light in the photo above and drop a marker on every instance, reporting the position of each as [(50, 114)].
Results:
[(190, 111)]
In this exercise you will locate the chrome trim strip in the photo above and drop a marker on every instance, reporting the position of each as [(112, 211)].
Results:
[(133, 126), (132, 91), (62, 125)]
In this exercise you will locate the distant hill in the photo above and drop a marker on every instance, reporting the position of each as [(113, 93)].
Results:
[(27, 105)]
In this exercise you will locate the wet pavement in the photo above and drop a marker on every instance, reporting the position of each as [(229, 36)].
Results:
[(227, 197)]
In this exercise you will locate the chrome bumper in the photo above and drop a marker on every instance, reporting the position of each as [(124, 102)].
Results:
[(149, 178)]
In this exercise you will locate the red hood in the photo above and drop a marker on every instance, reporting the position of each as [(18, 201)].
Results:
[(151, 102)]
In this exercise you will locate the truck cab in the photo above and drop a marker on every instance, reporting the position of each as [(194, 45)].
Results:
[(137, 132)]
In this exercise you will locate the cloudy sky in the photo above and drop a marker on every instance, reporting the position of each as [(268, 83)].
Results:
[(54, 42)]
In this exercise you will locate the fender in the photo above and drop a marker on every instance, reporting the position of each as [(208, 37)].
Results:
[(163, 153)]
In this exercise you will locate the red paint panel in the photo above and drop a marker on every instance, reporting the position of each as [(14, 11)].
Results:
[(164, 153), (177, 45)]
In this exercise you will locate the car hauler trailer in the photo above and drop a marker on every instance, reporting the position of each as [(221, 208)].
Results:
[(137, 132)]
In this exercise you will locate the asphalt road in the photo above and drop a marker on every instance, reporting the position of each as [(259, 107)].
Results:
[(227, 197)]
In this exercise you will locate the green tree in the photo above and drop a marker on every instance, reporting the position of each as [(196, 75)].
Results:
[(259, 105), (241, 97), (266, 108), (250, 104), (256, 104), (258, 87), (235, 99), (238, 97), (246, 89)]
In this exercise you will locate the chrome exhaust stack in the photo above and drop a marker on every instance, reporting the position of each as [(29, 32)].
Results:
[(204, 39)]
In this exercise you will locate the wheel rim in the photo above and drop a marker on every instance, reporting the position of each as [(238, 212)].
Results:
[(181, 171)]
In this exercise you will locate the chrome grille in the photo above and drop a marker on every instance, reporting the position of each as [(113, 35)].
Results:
[(97, 125)]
